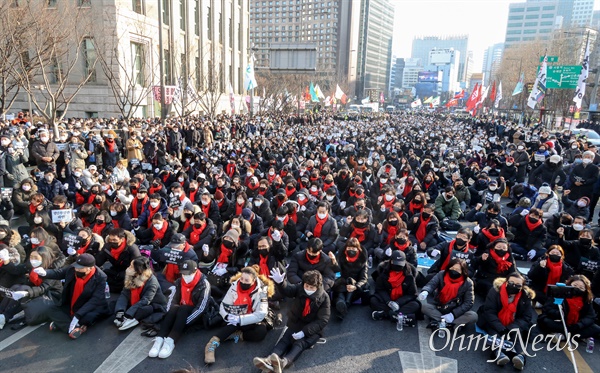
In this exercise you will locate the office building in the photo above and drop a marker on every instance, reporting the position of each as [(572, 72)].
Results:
[(396, 73), (423, 45), (492, 58), (410, 74)]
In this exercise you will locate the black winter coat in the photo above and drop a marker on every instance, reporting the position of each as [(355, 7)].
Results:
[(488, 313), (299, 265), (320, 310)]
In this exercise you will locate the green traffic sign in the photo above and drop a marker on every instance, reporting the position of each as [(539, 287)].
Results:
[(549, 58), (562, 76)]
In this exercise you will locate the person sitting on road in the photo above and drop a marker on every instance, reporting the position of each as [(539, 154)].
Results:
[(352, 285), (529, 235), (307, 317), (310, 259), (141, 299), (83, 299), (245, 308), (549, 270), (399, 242), (395, 289), (119, 250), (185, 307), (453, 296), (507, 309), (323, 226), (497, 261), (424, 228)]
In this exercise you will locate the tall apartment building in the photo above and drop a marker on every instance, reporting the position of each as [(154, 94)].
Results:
[(202, 41), (410, 74), (537, 19), (422, 45), (492, 57)]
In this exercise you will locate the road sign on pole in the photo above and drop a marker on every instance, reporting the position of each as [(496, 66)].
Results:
[(549, 58), (562, 76)]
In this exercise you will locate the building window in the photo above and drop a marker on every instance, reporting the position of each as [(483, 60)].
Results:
[(198, 74), (513, 32), (197, 17), (211, 71), (220, 30), (91, 114), (166, 11), (167, 66), (84, 3), (531, 24), (137, 6), (533, 9), (182, 15), (550, 7), (532, 16), (515, 18), (137, 56), (89, 59), (547, 15), (546, 23), (52, 3), (529, 31), (209, 22)]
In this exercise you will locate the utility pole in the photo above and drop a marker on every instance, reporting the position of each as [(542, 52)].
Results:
[(161, 57)]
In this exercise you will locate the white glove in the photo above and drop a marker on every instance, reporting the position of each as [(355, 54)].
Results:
[(71, 251), (77, 186), (298, 335), (476, 229), (388, 251), (16, 295), (205, 249), (302, 208), (74, 323), (434, 253), (449, 317), (4, 256), (383, 208), (65, 186), (233, 319), (276, 236), (277, 276), (343, 205), (40, 271), (220, 269), (423, 295), (524, 212), (531, 254)]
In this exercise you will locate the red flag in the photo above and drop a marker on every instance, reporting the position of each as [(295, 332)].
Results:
[(460, 95), (472, 101), (452, 102), (493, 93), (307, 94)]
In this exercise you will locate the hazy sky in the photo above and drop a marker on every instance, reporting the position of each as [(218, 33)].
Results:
[(483, 20)]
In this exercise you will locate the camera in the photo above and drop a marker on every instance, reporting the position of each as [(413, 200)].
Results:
[(560, 291)]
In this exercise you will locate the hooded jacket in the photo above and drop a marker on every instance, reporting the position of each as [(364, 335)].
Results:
[(299, 265), (320, 309), (124, 260), (465, 298), (260, 305), (151, 293)]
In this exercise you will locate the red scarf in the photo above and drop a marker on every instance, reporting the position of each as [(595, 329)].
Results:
[(193, 195), (98, 228), (289, 192), (154, 189), (319, 226), (396, 279), (271, 178), (244, 297), (575, 306), (401, 247), (84, 248), (111, 145), (186, 289), (91, 198), (302, 202), (136, 293), (262, 191), (152, 213), (327, 185), (159, 234), (315, 260), (224, 255), (502, 263), (115, 223), (79, 286), (196, 233), (359, 233), (351, 260), (264, 267), (427, 185), (407, 189), (230, 169), (414, 208), (238, 208), (134, 206), (115, 253), (508, 311), (491, 237), (32, 209), (450, 288), (391, 231), (388, 204), (315, 193), (531, 226), (422, 229), (554, 272), (306, 310), (34, 278)]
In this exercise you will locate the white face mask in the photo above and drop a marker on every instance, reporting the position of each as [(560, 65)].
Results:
[(313, 189), (257, 203), (154, 204), (493, 188), (309, 292), (235, 225), (509, 164), (281, 218), (578, 227), (180, 179), (205, 203), (383, 181), (587, 161), (26, 188), (240, 201), (188, 278), (158, 226), (581, 203), (77, 174), (35, 263), (113, 213), (248, 174), (271, 173), (389, 197), (35, 241), (573, 146), (44, 139), (5, 142), (519, 147), (301, 197), (330, 198), (322, 216)]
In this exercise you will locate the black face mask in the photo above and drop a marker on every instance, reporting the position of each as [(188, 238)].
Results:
[(99, 222), (587, 242), (396, 268), (188, 216), (494, 231), (80, 274), (454, 274), (263, 252), (555, 258), (512, 289), (492, 215), (245, 286), (393, 223), (533, 220), (228, 244), (460, 242), (425, 215), (401, 241), (500, 252), (351, 253), (360, 225)]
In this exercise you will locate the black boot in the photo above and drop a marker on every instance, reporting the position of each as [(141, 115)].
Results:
[(341, 307)]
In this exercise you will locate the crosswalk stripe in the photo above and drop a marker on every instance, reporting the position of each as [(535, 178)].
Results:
[(18, 335), (132, 351)]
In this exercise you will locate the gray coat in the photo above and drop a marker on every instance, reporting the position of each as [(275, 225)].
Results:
[(465, 296)]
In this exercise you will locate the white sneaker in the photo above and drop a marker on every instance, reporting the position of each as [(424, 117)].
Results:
[(538, 305), (118, 323), (128, 323), (158, 343), (167, 348), (2, 321)]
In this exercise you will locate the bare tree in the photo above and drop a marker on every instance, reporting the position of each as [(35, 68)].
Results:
[(59, 41), (127, 66), (186, 101), (211, 88)]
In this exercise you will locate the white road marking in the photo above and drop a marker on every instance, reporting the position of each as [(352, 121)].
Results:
[(132, 351), (426, 361)]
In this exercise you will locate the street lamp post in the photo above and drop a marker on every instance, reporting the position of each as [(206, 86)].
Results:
[(161, 57)]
